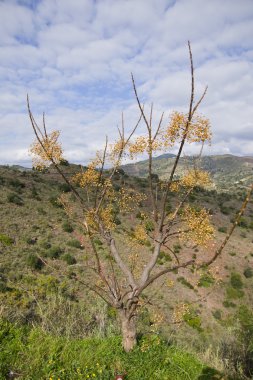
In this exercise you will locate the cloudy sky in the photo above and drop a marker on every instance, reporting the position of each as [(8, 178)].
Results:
[(74, 58)]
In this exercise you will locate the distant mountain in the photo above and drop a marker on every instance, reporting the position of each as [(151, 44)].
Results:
[(227, 171), (20, 168)]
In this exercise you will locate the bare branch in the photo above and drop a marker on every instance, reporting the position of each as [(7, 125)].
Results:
[(36, 129), (231, 230), (161, 273), (121, 263)]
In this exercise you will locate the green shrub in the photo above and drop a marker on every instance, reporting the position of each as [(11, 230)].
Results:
[(55, 202), (227, 304), (225, 210), (233, 293), (64, 187), (206, 280), (222, 229), (70, 260), (54, 252), (236, 281), (116, 187), (193, 321), (15, 198), (35, 194), (45, 244), (98, 242), (243, 223), (177, 247), (16, 184), (67, 227), (64, 162), (6, 240), (31, 241), (163, 257), (117, 220), (34, 262), (74, 243), (248, 272), (217, 314), (149, 225), (184, 282)]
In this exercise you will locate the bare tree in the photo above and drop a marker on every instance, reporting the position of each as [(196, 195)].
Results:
[(118, 274)]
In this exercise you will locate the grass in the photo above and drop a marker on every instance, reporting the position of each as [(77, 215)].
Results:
[(36, 355)]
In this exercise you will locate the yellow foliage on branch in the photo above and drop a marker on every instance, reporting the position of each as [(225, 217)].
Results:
[(198, 227), (46, 150)]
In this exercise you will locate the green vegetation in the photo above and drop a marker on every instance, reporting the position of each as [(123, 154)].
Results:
[(248, 272), (36, 355), (184, 282), (70, 260), (206, 280), (75, 244), (67, 227), (222, 229), (40, 228), (6, 240), (236, 280), (15, 198)]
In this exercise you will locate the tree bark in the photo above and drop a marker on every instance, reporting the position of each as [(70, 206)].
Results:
[(128, 329)]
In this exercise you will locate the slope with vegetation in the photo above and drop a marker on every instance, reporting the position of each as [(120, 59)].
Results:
[(228, 172), (35, 231)]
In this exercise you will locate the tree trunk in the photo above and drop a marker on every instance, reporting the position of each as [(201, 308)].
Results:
[(128, 329)]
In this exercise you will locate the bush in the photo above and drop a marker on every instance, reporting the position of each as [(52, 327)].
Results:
[(34, 262), (217, 314), (248, 272), (55, 202), (64, 187), (163, 257), (236, 281), (6, 240), (149, 225), (70, 260), (45, 244), (237, 353), (64, 162), (243, 223), (16, 184), (75, 243), (206, 280), (15, 198), (54, 252), (67, 227), (193, 321), (177, 247), (31, 241), (222, 229), (225, 210), (233, 293), (227, 303), (35, 194), (184, 282)]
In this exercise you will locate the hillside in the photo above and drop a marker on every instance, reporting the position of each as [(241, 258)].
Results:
[(229, 173), (42, 290)]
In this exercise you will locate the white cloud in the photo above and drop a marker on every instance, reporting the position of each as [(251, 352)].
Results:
[(75, 58)]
